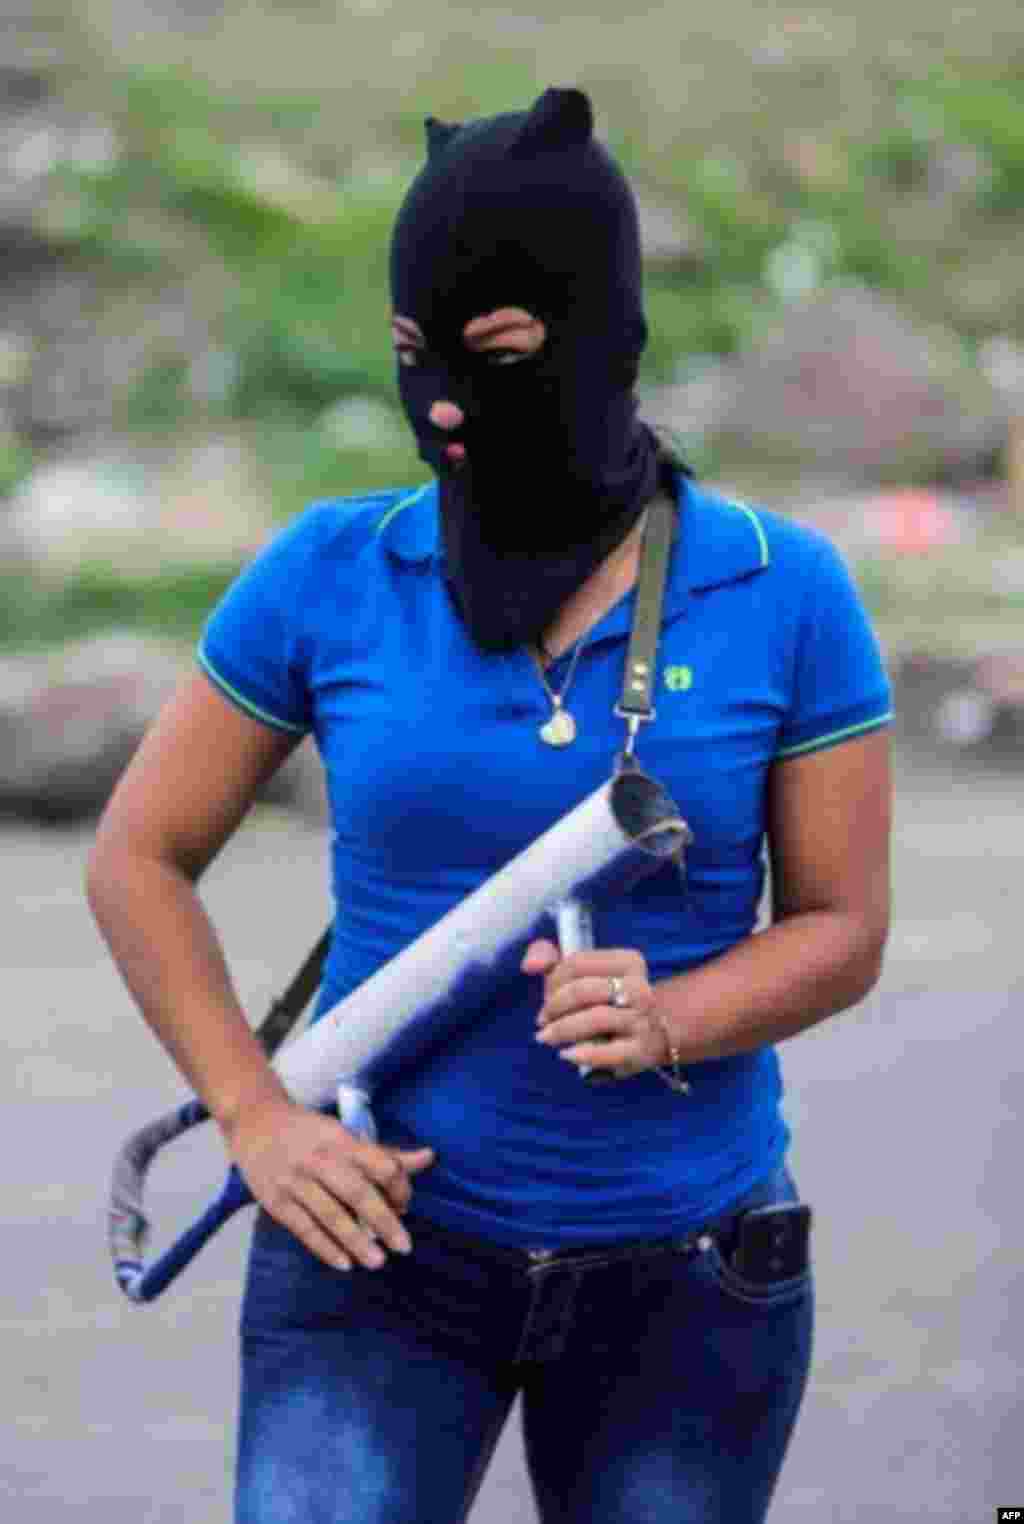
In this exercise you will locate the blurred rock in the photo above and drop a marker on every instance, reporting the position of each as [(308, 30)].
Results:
[(847, 382), (667, 238), (965, 717), (363, 423), (985, 289), (694, 407), (177, 17), (38, 132), (71, 721), (15, 359), (72, 508), (956, 169), (70, 349), (31, 138), (139, 510), (1002, 360), (93, 349), (921, 683), (968, 707), (21, 86)]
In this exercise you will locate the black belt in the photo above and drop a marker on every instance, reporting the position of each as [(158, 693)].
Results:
[(721, 1230)]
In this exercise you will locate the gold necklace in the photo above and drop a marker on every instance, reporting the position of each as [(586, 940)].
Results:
[(560, 729)]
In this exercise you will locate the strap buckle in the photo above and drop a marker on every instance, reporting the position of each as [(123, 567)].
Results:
[(626, 759)]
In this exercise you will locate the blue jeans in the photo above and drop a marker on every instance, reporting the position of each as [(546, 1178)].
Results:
[(658, 1387)]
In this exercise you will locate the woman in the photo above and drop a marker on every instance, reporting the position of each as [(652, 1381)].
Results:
[(457, 652)]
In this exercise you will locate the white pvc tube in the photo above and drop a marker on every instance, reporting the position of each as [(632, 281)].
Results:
[(624, 830)]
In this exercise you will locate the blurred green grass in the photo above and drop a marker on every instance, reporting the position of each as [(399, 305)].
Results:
[(262, 155)]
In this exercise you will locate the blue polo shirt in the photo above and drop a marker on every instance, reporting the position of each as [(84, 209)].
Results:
[(343, 626)]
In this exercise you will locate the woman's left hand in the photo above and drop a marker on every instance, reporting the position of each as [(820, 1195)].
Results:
[(578, 1019)]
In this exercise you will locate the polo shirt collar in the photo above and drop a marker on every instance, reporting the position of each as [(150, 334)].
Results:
[(717, 541)]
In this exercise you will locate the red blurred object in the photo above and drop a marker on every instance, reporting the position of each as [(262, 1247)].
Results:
[(911, 520)]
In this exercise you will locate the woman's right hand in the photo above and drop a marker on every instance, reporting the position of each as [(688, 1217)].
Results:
[(333, 1190)]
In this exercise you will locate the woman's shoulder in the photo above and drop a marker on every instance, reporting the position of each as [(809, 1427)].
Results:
[(328, 530), (347, 522), (776, 540)]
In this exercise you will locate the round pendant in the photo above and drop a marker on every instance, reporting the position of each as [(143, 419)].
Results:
[(560, 730)]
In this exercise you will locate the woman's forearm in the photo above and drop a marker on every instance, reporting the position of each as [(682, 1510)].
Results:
[(169, 956), (772, 985)]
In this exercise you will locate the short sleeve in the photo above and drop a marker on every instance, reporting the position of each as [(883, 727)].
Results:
[(840, 686), (251, 646)]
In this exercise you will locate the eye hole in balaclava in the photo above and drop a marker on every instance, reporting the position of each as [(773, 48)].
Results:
[(527, 210), (480, 381)]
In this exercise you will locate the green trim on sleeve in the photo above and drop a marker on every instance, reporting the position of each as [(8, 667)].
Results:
[(402, 503), (761, 540), (243, 703), (820, 742)]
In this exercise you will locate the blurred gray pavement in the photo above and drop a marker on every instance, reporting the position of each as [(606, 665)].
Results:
[(908, 1118)]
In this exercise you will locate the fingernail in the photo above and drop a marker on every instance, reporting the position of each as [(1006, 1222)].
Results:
[(376, 1258)]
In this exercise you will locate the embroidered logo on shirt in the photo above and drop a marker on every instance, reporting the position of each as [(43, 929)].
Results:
[(678, 679)]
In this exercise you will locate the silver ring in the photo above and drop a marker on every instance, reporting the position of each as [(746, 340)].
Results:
[(619, 997)]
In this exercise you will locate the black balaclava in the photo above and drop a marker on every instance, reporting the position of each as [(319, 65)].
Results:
[(526, 210)]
